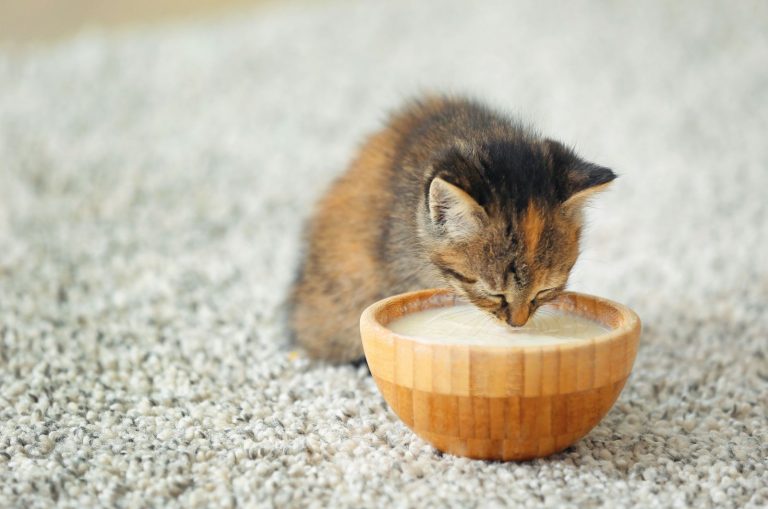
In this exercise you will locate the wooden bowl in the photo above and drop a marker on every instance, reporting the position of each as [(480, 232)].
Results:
[(500, 402)]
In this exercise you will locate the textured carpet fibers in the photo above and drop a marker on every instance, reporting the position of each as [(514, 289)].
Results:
[(152, 189)]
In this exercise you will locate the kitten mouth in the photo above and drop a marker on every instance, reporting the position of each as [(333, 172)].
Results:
[(498, 319), (503, 316)]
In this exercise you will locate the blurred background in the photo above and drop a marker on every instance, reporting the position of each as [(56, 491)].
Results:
[(35, 21)]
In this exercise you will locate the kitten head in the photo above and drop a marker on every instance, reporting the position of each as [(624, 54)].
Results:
[(502, 221)]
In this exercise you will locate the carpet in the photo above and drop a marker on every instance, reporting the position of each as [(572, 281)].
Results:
[(153, 183)]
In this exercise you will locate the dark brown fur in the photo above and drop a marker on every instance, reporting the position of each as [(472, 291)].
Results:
[(448, 193)]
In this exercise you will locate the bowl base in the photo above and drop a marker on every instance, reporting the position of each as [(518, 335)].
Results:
[(508, 428)]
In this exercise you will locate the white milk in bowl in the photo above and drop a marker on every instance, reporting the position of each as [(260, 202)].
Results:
[(467, 325)]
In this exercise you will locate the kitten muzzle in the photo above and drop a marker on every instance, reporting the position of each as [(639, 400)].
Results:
[(519, 316)]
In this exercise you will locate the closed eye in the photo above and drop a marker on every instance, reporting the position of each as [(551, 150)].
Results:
[(501, 297), (548, 294), (456, 275)]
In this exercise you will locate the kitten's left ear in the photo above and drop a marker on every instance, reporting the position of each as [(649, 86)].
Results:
[(586, 179), (582, 179)]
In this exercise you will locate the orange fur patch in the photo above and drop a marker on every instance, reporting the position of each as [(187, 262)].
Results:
[(532, 226)]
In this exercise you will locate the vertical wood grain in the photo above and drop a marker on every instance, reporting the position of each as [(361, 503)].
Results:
[(497, 403)]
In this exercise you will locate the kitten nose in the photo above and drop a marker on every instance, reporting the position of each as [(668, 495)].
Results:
[(519, 316)]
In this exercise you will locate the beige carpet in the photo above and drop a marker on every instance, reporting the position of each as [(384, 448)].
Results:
[(152, 187)]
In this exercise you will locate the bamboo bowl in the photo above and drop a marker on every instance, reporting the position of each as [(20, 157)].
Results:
[(500, 402)]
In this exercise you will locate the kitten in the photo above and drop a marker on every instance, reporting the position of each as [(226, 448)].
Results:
[(449, 193)]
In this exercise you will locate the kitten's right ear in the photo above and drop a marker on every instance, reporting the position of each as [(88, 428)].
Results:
[(454, 211), (585, 180)]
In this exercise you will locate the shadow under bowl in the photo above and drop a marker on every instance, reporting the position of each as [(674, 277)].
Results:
[(500, 402)]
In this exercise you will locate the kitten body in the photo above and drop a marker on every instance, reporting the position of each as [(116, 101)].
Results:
[(449, 193)]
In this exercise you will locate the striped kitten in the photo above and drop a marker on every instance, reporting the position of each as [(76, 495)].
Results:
[(449, 193)]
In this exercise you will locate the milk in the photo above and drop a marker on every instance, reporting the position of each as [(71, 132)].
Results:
[(465, 324)]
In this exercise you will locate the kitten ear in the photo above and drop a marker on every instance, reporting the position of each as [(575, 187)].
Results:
[(453, 210), (586, 179), (582, 179)]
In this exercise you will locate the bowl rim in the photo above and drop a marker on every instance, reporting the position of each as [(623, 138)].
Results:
[(630, 324)]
